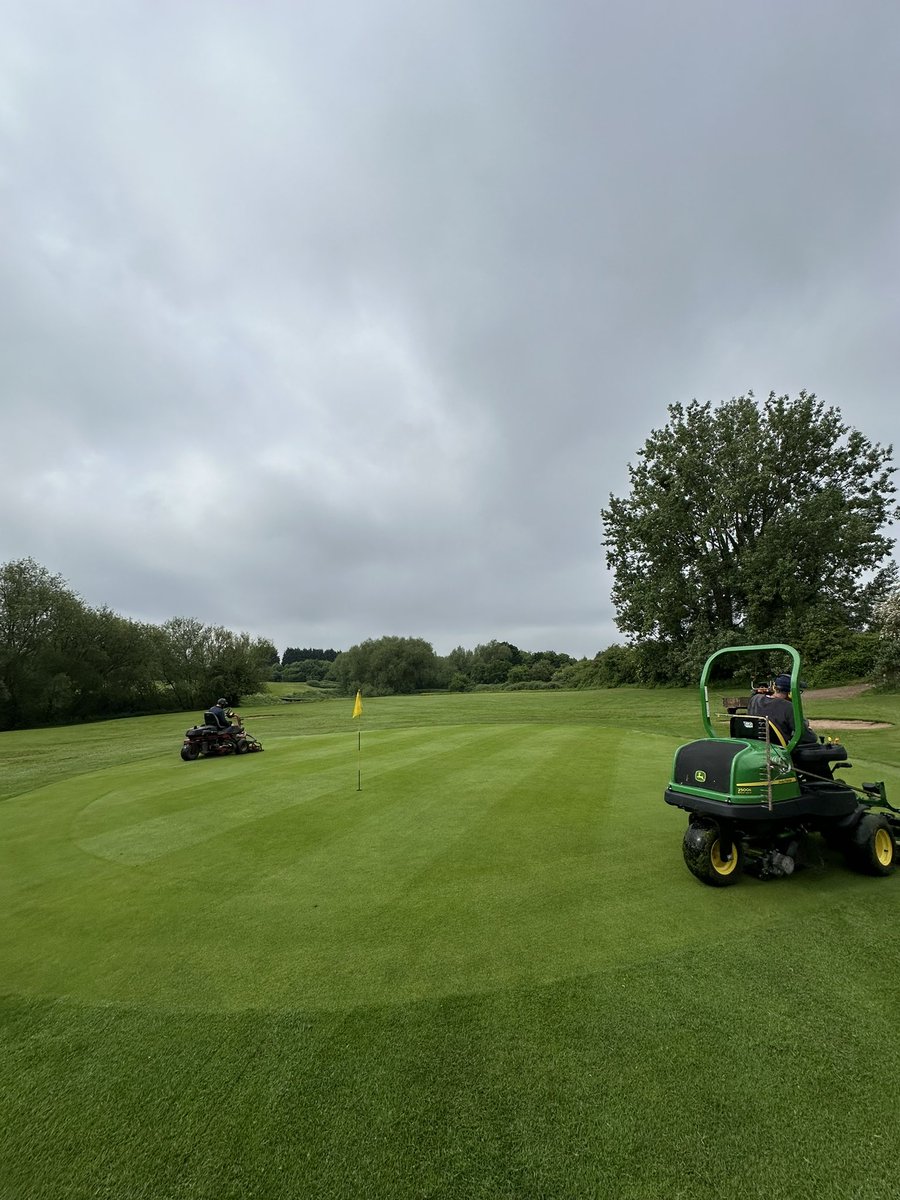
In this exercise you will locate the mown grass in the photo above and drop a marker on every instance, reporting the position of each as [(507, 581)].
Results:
[(484, 972)]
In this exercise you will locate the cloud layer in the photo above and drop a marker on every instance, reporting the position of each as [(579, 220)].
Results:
[(328, 321)]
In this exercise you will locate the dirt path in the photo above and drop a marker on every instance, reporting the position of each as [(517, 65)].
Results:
[(838, 693)]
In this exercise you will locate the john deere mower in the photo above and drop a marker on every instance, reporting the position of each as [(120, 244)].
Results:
[(755, 795)]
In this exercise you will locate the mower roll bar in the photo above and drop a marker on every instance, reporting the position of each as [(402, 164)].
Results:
[(795, 690)]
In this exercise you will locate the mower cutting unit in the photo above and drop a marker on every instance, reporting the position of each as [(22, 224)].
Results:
[(753, 796)]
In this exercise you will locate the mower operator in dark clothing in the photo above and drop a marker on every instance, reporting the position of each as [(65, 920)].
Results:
[(760, 698), (223, 719), (221, 716), (780, 711)]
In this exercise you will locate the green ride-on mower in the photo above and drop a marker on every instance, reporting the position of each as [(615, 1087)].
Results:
[(753, 797)]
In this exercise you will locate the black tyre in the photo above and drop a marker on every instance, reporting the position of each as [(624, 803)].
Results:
[(189, 753), (872, 849), (241, 747), (712, 858)]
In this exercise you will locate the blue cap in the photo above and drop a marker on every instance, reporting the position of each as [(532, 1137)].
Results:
[(783, 683)]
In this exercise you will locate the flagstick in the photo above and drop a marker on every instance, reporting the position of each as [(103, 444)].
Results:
[(357, 712)]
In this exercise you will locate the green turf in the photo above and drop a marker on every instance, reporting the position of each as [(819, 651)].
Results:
[(485, 972)]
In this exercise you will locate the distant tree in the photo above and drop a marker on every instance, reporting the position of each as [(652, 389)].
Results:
[(612, 667), (39, 622), (544, 664), (306, 670), (116, 668), (185, 656), (518, 674), (61, 660), (492, 662), (198, 663), (750, 521), (293, 654), (458, 682), (460, 659), (388, 666), (456, 669), (239, 666), (833, 656), (541, 669), (886, 668)]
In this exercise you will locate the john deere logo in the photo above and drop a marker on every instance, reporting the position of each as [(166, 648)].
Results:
[(700, 776)]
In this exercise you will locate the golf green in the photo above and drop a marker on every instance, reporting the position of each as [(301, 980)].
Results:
[(449, 949)]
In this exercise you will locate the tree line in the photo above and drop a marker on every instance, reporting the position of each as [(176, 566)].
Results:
[(305, 665), (61, 660), (394, 665)]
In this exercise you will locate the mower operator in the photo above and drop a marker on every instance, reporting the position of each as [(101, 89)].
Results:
[(758, 701), (223, 718), (218, 711), (780, 711)]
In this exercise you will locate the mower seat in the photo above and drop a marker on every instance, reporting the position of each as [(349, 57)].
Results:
[(211, 718), (753, 729)]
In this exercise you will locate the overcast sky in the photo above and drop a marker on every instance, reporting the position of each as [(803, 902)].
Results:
[(330, 319)]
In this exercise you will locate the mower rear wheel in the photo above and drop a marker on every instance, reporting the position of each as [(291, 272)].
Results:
[(711, 858), (872, 848), (189, 753)]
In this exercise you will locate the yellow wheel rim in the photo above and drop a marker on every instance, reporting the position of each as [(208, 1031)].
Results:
[(724, 866), (884, 847)]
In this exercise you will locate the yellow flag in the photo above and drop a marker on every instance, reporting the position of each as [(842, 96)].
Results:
[(357, 706)]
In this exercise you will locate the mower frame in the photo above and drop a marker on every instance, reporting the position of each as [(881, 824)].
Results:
[(754, 796)]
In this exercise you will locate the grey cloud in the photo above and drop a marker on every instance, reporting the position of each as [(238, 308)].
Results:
[(328, 321)]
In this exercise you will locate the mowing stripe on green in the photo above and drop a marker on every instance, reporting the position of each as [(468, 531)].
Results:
[(486, 974)]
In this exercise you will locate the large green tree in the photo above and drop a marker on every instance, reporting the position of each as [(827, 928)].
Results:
[(493, 661), (40, 620), (111, 664), (198, 663), (388, 666), (751, 521), (60, 659)]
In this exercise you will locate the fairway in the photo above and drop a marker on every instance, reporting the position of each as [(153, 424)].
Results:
[(463, 960)]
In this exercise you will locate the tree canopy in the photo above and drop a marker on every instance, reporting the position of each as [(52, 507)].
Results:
[(756, 521), (887, 626), (387, 666), (294, 655), (61, 660)]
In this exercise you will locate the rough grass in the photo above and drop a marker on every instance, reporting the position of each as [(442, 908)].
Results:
[(484, 972)]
